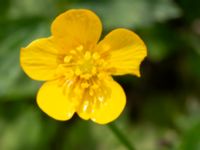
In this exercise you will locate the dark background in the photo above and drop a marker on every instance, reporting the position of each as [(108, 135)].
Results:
[(163, 106)]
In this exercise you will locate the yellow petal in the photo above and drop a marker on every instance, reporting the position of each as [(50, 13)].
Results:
[(112, 106), (84, 109), (52, 100), (127, 51), (40, 59), (78, 28)]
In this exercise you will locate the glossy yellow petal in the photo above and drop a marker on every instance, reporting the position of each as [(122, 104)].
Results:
[(52, 100), (77, 28), (127, 51), (82, 113), (112, 106), (41, 58)]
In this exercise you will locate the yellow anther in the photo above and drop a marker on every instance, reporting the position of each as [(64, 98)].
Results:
[(78, 71), (94, 86), (84, 85), (80, 62), (100, 98), (101, 62), (94, 70), (95, 56), (72, 52), (91, 92), (67, 59), (69, 83), (87, 55), (79, 48), (86, 76)]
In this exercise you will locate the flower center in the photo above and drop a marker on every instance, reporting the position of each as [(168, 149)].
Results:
[(83, 77), (82, 65), (87, 66)]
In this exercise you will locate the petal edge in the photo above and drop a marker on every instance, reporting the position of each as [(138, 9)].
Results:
[(113, 107), (40, 59), (77, 27), (127, 51), (53, 102)]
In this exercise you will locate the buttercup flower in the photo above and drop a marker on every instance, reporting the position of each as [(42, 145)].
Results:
[(78, 69)]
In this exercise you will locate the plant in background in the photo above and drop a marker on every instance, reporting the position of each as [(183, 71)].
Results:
[(78, 69)]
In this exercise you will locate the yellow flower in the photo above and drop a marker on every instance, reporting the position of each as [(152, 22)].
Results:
[(78, 70)]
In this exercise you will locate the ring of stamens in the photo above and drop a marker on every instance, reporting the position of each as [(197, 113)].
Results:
[(84, 78)]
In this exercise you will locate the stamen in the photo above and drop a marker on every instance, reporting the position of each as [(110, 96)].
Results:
[(77, 90), (86, 76), (94, 70), (66, 85), (79, 48), (87, 55), (95, 56), (84, 85), (78, 71), (67, 59), (72, 52), (102, 62), (94, 86), (101, 99), (91, 92)]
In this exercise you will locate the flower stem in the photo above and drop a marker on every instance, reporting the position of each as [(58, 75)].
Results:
[(121, 137)]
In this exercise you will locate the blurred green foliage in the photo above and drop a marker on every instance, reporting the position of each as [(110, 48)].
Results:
[(163, 106)]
